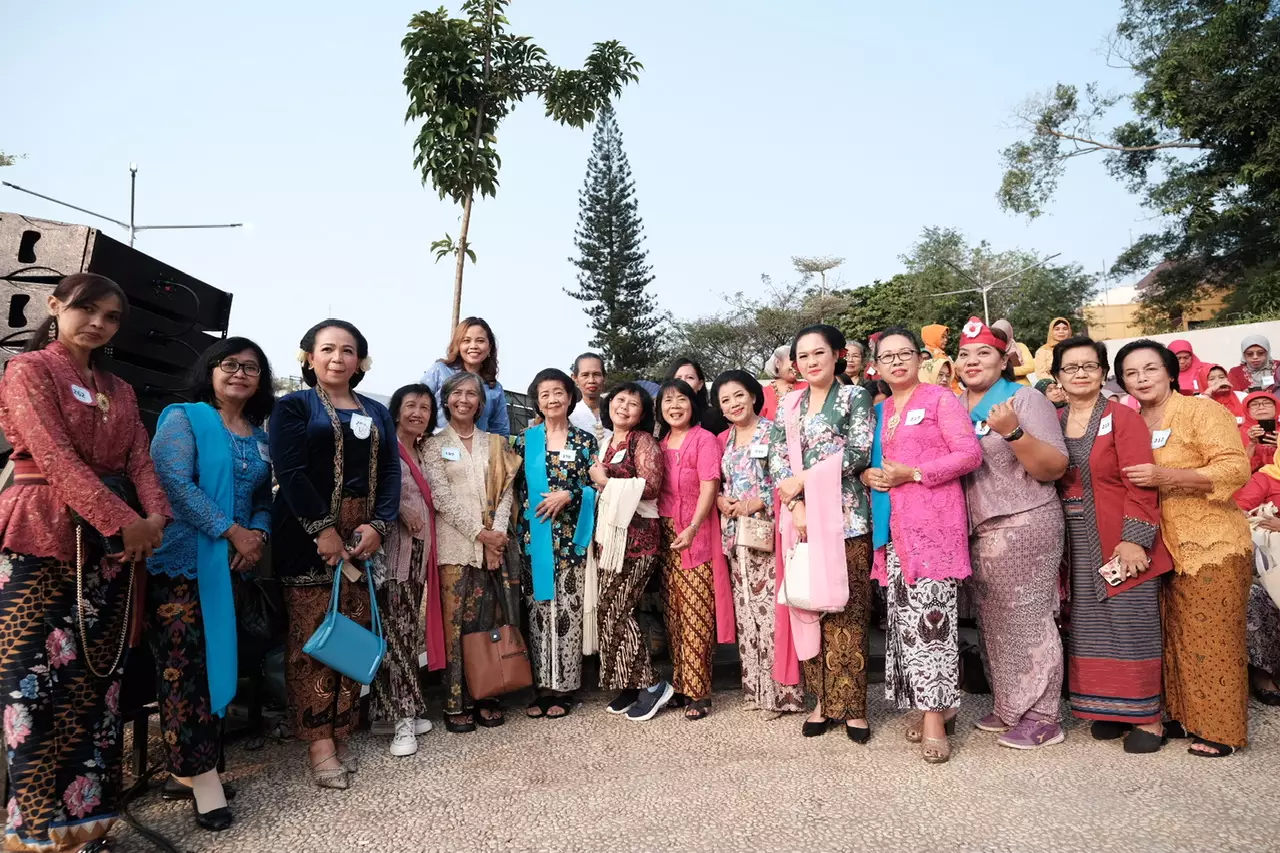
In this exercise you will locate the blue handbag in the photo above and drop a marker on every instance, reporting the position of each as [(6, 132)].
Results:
[(345, 646)]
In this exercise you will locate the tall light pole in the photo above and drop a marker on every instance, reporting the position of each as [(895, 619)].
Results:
[(982, 287), (129, 226)]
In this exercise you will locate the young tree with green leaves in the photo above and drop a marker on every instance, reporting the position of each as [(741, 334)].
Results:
[(1202, 149), (613, 277), (464, 76)]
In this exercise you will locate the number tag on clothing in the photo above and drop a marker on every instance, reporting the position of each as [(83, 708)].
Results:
[(1104, 426), (981, 428), (566, 455), (422, 660), (1160, 438), (451, 454), (361, 425), (82, 394), (759, 451), (1267, 382), (915, 416), (365, 690), (618, 457), (1239, 421), (264, 452)]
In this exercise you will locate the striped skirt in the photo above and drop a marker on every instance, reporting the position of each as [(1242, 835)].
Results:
[(1115, 648)]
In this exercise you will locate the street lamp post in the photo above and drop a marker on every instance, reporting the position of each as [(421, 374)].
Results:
[(129, 226), (981, 287)]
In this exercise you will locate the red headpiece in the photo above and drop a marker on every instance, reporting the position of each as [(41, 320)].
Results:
[(977, 332)]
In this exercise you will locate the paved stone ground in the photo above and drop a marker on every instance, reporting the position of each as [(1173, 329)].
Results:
[(734, 782)]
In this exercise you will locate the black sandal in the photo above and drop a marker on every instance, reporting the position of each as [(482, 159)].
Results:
[(1267, 697), (1174, 730), (539, 704), (557, 703), (1143, 742), (1109, 729), (1221, 750), (698, 709), (494, 708), (460, 724)]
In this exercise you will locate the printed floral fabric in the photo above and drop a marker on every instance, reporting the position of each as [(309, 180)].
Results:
[(62, 726), (189, 728), (745, 477), (842, 426), (922, 640), (755, 599)]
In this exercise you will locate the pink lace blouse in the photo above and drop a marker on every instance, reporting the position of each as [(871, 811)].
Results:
[(929, 525)]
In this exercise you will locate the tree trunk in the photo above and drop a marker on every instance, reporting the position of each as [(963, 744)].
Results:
[(462, 259)]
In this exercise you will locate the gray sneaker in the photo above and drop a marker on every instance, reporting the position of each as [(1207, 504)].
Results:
[(651, 701)]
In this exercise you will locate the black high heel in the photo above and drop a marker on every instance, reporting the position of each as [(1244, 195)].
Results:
[(817, 729), (860, 734)]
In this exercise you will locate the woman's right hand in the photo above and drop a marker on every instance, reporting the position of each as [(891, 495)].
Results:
[(725, 504), (874, 478), (248, 545), (800, 520), (598, 475), (1256, 432), (492, 539), (330, 547)]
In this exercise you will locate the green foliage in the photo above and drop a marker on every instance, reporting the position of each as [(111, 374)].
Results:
[(465, 75), (613, 276), (1202, 150), (922, 295), (446, 246), (9, 159)]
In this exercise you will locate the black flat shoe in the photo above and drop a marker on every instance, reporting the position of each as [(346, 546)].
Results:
[(1109, 729), (1267, 697), (814, 729), (1143, 742), (858, 734), (1174, 730), (97, 845), (174, 790), (214, 821)]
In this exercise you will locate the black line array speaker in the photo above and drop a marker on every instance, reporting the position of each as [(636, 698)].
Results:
[(173, 317)]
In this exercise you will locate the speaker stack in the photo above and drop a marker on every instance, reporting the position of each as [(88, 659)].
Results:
[(173, 317)]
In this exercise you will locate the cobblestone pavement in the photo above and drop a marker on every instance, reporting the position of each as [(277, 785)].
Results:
[(734, 782)]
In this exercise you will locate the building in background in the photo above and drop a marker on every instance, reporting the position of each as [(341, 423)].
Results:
[(1114, 314)]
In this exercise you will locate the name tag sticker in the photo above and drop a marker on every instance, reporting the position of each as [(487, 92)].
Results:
[(1160, 438), (365, 690), (422, 660), (566, 455), (82, 394), (1104, 426), (361, 425), (759, 451), (264, 452), (1239, 421), (981, 428), (618, 457), (451, 454), (915, 416), (1267, 381)]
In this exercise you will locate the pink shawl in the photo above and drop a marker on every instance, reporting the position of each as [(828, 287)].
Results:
[(435, 623), (824, 517)]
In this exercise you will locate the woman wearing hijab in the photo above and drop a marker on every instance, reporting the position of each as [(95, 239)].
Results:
[(1256, 370), (1020, 357), (935, 339), (937, 371), (1053, 391), (1059, 330), (1259, 442), (1219, 390), (1192, 372)]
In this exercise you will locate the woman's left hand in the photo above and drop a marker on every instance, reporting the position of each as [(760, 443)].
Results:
[(599, 476), (552, 503), (370, 542), (1133, 558), (895, 473), (684, 539), (1147, 475), (1002, 418), (791, 488)]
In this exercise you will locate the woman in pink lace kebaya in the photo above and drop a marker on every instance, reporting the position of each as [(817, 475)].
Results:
[(926, 444)]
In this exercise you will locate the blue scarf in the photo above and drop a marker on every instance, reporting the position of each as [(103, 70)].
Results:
[(541, 545), (215, 474), (879, 500), (996, 394)]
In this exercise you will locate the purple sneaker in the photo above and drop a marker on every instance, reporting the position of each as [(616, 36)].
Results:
[(1032, 733), (992, 723)]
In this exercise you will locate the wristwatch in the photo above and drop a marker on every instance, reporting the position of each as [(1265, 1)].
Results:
[(1015, 435), (917, 476)]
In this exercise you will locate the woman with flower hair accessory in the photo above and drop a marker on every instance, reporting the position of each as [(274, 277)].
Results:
[(68, 420), (336, 459)]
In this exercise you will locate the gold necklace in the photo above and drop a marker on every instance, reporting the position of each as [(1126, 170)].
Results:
[(896, 417)]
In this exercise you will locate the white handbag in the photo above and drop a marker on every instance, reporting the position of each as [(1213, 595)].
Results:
[(796, 589), (1266, 551)]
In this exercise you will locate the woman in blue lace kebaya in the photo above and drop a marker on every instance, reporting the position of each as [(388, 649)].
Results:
[(212, 458)]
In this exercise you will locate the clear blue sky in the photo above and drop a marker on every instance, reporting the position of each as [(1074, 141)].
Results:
[(758, 131)]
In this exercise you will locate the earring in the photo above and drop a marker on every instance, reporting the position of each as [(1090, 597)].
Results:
[(53, 328)]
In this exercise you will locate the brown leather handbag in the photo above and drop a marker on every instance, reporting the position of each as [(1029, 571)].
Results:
[(496, 661)]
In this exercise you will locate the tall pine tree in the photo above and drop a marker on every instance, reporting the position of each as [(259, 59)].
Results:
[(612, 274)]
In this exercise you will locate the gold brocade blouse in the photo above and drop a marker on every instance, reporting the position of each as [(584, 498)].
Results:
[(1202, 529)]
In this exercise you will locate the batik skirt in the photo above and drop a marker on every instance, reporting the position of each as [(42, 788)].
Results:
[(922, 640), (1263, 624), (625, 663), (397, 692), (62, 724), (555, 627), (689, 606), (469, 601), (837, 677), (755, 599)]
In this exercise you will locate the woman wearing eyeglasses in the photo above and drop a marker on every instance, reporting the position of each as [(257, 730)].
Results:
[(1114, 647), (1198, 466), (211, 457)]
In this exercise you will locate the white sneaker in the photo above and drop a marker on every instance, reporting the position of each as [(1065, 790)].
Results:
[(405, 742), (421, 726)]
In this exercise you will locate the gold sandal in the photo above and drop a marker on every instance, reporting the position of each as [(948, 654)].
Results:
[(935, 750), (337, 779), (915, 727)]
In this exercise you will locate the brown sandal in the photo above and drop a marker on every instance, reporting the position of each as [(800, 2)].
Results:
[(935, 750)]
